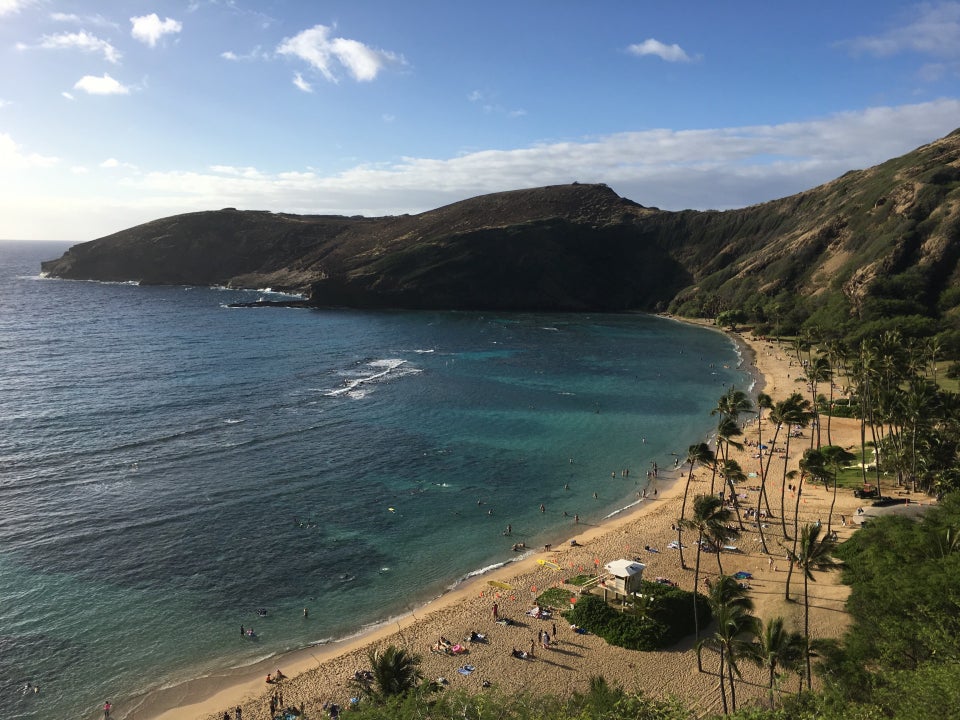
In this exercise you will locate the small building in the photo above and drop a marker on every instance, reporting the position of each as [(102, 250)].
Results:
[(627, 575)]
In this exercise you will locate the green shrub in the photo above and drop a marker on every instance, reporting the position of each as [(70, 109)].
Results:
[(635, 633), (669, 618), (556, 597), (592, 613)]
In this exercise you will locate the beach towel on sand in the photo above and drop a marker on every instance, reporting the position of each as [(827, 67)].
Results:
[(466, 669)]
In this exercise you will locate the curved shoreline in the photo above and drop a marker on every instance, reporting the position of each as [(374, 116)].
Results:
[(193, 699), (321, 673)]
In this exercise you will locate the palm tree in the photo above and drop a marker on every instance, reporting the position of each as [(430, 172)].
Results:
[(727, 429), (708, 511), (776, 648), (734, 626), (395, 672), (817, 371), (733, 473), (699, 454), (709, 520), (729, 407), (811, 464), (835, 457), (733, 403), (795, 410), (920, 401), (763, 401), (814, 554), (837, 356), (934, 348)]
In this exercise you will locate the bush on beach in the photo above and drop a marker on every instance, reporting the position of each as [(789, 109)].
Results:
[(664, 617)]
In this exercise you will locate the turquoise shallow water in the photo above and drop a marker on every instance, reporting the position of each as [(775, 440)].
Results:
[(169, 465)]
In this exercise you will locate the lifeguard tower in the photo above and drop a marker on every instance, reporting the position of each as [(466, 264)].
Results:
[(625, 576)]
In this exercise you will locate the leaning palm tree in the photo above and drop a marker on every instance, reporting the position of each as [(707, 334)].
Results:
[(732, 474), (731, 639), (727, 429), (709, 521), (795, 410), (814, 553), (776, 648), (395, 672), (705, 509), (699, 454), (730, 406)]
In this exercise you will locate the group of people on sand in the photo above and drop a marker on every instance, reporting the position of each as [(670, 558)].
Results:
[(276, 677), (446, 647)]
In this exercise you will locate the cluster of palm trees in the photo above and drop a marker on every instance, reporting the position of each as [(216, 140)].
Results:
[(737, 634), (910, 422), (909, 427)]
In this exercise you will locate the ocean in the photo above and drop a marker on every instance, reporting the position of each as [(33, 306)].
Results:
[(170, 466)]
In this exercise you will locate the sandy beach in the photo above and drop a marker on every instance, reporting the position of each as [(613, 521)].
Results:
[(322, 674)]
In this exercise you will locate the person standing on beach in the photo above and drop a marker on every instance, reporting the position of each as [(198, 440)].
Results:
[(107, 707), (239, 713), (496, 612)]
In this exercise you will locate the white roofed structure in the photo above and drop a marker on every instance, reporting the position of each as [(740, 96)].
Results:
[(627, 575)]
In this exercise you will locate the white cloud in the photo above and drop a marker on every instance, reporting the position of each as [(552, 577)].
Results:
[(935, 30), (256, 54), (489, 107), (150, 28), (96, 20), (8, 7), (82, 41), (67, 95), (717, 168), (112, 163), (670, 53), (12, 157), (105, 85), (316, 47), (301, 83), (250, 173)]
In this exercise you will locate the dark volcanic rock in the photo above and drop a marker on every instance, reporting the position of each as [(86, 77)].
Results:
[(874, 242), (568, 247)]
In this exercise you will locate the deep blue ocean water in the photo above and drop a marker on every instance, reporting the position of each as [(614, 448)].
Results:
[(169, 465)]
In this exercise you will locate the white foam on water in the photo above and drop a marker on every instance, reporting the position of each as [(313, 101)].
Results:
[(387, 368)]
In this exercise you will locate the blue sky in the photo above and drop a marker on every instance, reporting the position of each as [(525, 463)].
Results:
[(116, 113)]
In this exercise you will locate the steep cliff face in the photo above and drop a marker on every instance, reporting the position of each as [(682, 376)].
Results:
[(858, 241), (205, 248), (567, 247)]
